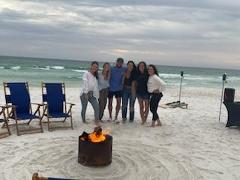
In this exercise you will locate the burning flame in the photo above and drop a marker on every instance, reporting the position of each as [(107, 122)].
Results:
[(98, 135), (94, 137)]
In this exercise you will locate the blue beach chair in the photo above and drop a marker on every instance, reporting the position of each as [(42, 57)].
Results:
[(4, 120), (17, 95), (233, 107), (233, 110), (53, 96)]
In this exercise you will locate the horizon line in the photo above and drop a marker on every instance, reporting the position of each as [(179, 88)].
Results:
[(62, 59)]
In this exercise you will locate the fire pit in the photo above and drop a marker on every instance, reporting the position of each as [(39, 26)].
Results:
[(95, 149)]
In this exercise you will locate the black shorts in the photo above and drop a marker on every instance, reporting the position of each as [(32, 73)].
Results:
[(144, 96), (117, 94)]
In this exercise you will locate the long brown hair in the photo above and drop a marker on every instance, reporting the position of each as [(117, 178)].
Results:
[(133, 73), (145, 72), (154, 69), (96, 73), (107, 75)]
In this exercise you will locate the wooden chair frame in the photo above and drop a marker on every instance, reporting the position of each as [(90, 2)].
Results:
[(5, 122), (12, 114), (67, 110)]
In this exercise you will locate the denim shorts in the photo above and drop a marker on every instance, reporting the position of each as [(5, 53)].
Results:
[(144, 96)]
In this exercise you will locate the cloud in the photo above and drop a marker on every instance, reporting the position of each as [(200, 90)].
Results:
[(199, 33)]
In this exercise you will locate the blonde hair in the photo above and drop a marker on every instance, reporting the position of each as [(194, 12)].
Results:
[(107, 75)]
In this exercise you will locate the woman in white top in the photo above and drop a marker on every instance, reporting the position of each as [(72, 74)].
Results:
[(155, 87), (103, 83), (90, 91)]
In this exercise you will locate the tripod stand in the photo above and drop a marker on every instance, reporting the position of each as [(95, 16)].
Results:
[(178, 103)]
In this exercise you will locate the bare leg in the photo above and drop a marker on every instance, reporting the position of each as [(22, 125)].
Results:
[(110, 107), (117, 107), (146, 109), (140, 101)]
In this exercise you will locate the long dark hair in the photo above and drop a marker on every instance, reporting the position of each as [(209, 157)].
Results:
[(96, 73), (145, 72), (154, 69), (133, 73)]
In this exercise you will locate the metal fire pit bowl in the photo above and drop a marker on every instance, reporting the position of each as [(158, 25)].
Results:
[(95, 154)]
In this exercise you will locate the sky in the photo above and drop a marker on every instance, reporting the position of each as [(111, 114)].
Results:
[(201, 33)]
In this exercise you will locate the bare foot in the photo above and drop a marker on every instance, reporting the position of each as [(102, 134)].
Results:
[(153, 124), (143, 122), (97, 122), (109, 120), (117, 121), (159, 123)]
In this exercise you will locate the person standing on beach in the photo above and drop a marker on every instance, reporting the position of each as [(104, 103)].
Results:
[(155, 87), (129, 91), (142, 90), (116, 86), (90, 92), (103, 84)]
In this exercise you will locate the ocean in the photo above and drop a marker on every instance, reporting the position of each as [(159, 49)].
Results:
[(36, 70)]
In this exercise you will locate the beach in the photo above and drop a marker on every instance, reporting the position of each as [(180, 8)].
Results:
[(191, 144), (120, 49)]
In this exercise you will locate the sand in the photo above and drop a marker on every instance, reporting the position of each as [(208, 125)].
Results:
[(191, 144)]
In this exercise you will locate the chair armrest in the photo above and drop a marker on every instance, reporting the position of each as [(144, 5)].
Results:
[(38, 104), (2, 106), (70, 104), (236, 104), (8, 106)]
